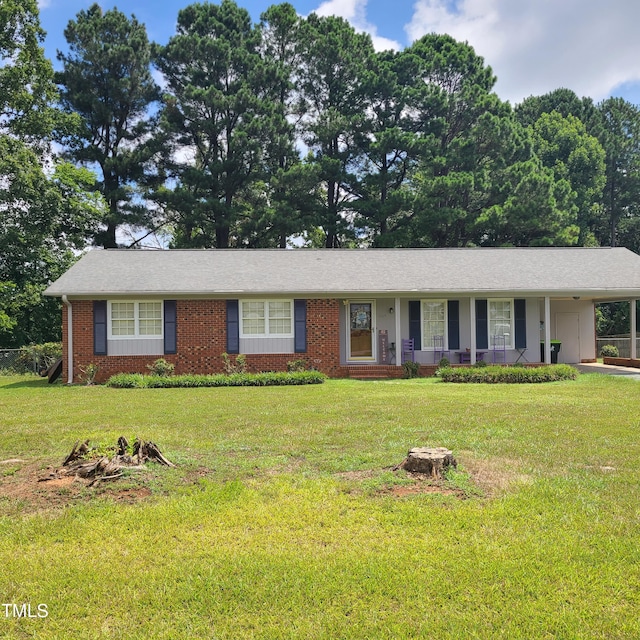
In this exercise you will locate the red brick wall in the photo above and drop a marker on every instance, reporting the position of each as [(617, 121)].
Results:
[(202, 338)]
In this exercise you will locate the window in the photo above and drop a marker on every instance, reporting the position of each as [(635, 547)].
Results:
[(135, 320), (434, 323), (501, 321), (266, 318)]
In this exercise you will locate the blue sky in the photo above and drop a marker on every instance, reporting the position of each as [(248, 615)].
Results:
[(533, 46)]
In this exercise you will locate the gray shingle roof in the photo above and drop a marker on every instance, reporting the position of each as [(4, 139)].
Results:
[(597, 272)]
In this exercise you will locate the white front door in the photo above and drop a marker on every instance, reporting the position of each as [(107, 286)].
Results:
[(361, 331), (568, 332)]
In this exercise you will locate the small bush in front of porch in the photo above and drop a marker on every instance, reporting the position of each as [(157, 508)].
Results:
[(510, 375), (410, 368)]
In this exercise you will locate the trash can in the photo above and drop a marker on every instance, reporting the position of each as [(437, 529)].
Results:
[(555, 350)]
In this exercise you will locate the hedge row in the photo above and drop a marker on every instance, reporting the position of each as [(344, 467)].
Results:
[(280, 378), (496, 374)]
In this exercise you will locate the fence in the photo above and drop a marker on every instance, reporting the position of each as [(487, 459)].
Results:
[(17, 361), (623, 343)]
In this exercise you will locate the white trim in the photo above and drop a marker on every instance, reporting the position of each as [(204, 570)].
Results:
[(444, 302), (547, 330), (511, 342), (136, 335), (632, 332), (398, 333), (265, 302), (69, 339), (473, 320)]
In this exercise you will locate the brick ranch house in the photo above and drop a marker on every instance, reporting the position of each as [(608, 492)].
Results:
[(342, 311)]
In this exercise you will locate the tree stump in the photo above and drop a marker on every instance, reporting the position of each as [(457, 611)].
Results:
[(432, 461)]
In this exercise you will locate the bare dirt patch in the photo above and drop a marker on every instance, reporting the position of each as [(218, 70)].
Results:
[(402, 491), (22, 488), (404, 483), (487, 478)]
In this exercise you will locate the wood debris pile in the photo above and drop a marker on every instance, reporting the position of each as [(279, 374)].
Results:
[(88, 463)]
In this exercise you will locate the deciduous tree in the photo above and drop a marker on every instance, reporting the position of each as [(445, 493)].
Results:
[(46, 210)]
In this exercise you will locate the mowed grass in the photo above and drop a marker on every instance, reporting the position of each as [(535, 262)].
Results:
[(281, 522)]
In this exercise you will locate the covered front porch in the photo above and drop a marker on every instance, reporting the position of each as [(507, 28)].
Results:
[(505, 330)]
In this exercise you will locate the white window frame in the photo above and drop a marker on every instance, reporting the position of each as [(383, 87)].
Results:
[(508, 343), (136, 321), (423, 321), (267, 333)]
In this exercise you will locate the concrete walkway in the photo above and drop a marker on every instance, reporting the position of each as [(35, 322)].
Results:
[(608, 369)]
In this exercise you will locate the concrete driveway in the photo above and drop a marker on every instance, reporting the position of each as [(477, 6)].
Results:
[(608, 369)]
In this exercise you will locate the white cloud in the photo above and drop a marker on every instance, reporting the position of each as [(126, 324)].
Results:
[(354, 11), (43, 4), (536, 47)]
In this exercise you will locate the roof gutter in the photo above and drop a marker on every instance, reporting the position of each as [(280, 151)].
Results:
[(67, 304)]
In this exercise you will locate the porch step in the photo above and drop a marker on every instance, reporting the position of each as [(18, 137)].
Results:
[(372, 372), (382, 372)]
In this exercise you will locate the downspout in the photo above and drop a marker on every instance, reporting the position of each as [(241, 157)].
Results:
[(67, 304)]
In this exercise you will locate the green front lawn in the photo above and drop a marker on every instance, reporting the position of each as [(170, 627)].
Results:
[(284, 518)]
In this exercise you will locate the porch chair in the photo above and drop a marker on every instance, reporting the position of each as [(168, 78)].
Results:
[(407, 351), (438, 349), (498, 349)]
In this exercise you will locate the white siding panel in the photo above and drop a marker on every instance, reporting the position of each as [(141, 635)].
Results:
[(267, 345), (147, 347)]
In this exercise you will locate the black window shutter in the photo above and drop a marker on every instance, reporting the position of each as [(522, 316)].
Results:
[(170, 327), (520, 316), (453, 323), (482, 325), (300, 325), (233, 327), (100, 327), (415, 329)]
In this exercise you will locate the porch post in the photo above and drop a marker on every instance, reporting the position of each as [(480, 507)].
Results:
[(547, 330), (398, 333), (632, 332), (472, 316)]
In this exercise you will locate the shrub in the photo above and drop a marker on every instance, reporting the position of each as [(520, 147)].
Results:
[(161, 368), (239, 366), (297, 365), (126, 381), (42, 355), (479, 364), (511, 375), (609, 351), (444, 363), (88, 373), (281, 378), (410, 368)]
